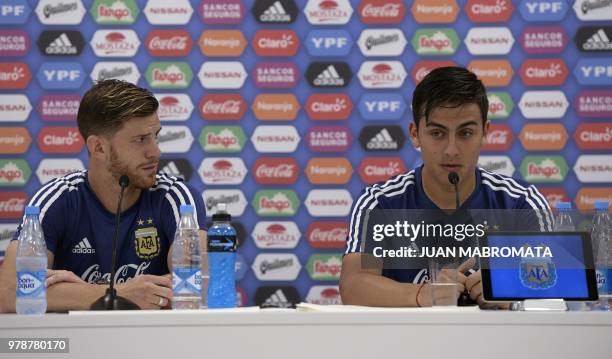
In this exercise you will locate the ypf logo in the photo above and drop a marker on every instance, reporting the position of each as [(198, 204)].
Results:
[(423, 68), (594, 136), (14, 75), (543, 72), (381, 74), (222, 12), (594, 39), (274, 202), (115, 43), (275, 11), (175, 139), (276, 235), (327, 234), (498, 138), (382, 11), (489, 10), (222, 75), (169, 43), (12, 204), (233, 198), (275, 75), (275, 107), (169, 75), (543, 10), (161, 12), (382, 42), (114, 12), (50, 168), (377, 169), (222, 107), (593, 10), (543, 136), (275, 139), (14, 172), (14, 42), (14, 140), (544, 40), (329, 170), (497, 164), (493, 73), (275, 170), (543, 104), (593, 168), (60, 75), (586, 197), (222, 171), (500, 105), (336, 43), (382, 138), (14, 108), (14, 12), (276, 266), (59, 107), (61, 43), (544, 169), (382, 106), (594, 71), (60, 140), (329, 74), (276, 43), (332, 106), (60, 12), (436, 41), (594, 103), (328, 12), (328, 139), (324, 266), (124, 71), (328, 202), (222, 139), (222, 43), (174, 107), (489, 41), (436, 11)]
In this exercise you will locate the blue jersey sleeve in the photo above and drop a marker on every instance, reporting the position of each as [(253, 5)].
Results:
[(536, 214), (181, 193), (368, 200)]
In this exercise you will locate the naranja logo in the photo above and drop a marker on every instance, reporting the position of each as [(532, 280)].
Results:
[(225, 43), (14, 140), (329, 170), (493, 73), (435, 11), (543, 136), (489, 10), (543, 72), (499, 138), (275, 107), (586, 197)]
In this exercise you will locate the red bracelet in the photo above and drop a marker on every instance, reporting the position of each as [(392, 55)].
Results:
[(417, 295)]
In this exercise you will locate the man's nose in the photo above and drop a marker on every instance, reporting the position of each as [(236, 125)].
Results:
[(451, 149), (153, 151)]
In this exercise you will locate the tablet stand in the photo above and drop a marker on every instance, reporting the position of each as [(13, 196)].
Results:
[(543, 305)]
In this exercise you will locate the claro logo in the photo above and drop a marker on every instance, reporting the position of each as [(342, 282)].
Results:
[(60, 140)]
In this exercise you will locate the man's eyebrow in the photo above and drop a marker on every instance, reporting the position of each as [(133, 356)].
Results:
[(465, 124), (148, 133)]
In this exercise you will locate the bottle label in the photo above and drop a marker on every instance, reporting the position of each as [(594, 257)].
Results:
[(222, 243), (187, 281), (601, 279), (31, 284)]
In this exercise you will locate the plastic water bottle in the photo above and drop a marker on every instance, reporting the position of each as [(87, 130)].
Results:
[(563, 219), (186, 259), (600, 237), (31, 266), (222, 244)]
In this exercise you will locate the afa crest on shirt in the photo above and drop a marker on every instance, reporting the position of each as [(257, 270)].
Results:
[(538, 273), (146, 242)]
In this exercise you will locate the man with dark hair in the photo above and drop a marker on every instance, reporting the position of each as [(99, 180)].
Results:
[(119, 124), (450, 124)]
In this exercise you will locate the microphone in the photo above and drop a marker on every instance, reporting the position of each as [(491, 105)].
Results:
[(110, 300), (464, 299)]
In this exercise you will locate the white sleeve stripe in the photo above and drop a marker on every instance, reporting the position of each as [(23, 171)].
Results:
[(43, 211), (190, 197), (177, 218), (52, 186)]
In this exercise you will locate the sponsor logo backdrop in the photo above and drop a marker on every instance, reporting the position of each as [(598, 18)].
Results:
[(286, 109)]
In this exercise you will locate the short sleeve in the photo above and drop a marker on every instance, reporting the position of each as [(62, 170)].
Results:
[(368, 200), (536, 214), (178, 194)]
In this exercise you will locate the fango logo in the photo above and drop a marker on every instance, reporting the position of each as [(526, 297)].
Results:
[(324, 266), (500, 105), (115, 43), (544, 169), (435, 41), (271, 202), (169, 75), (114, 12), (14, 172), (276, 235), (222, 139)]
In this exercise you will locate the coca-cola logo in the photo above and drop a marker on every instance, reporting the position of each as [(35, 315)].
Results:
[(123, 274), (332, 106), (377, 169), (499, 138), (173, 43), (60, 140), (327, 234), (222, 107), (382, 11), (423, 68), (275, 170), (12, 204)]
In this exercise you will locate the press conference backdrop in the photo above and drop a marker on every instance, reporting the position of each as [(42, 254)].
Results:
[(286, 109)]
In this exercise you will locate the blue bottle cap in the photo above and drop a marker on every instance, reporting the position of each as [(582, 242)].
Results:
[(564, 205), (601, 205), (186, 208), (32, 211)]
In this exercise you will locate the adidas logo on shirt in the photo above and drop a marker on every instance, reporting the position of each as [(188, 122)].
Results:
[(382, 141), (61, 46), (275, 13), (277, 300), (172, 170), (329, 77), (598, 41), (83, 247)]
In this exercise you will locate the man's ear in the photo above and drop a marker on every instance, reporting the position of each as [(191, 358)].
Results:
[(414, 135), (485, 131), (97, 147)]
